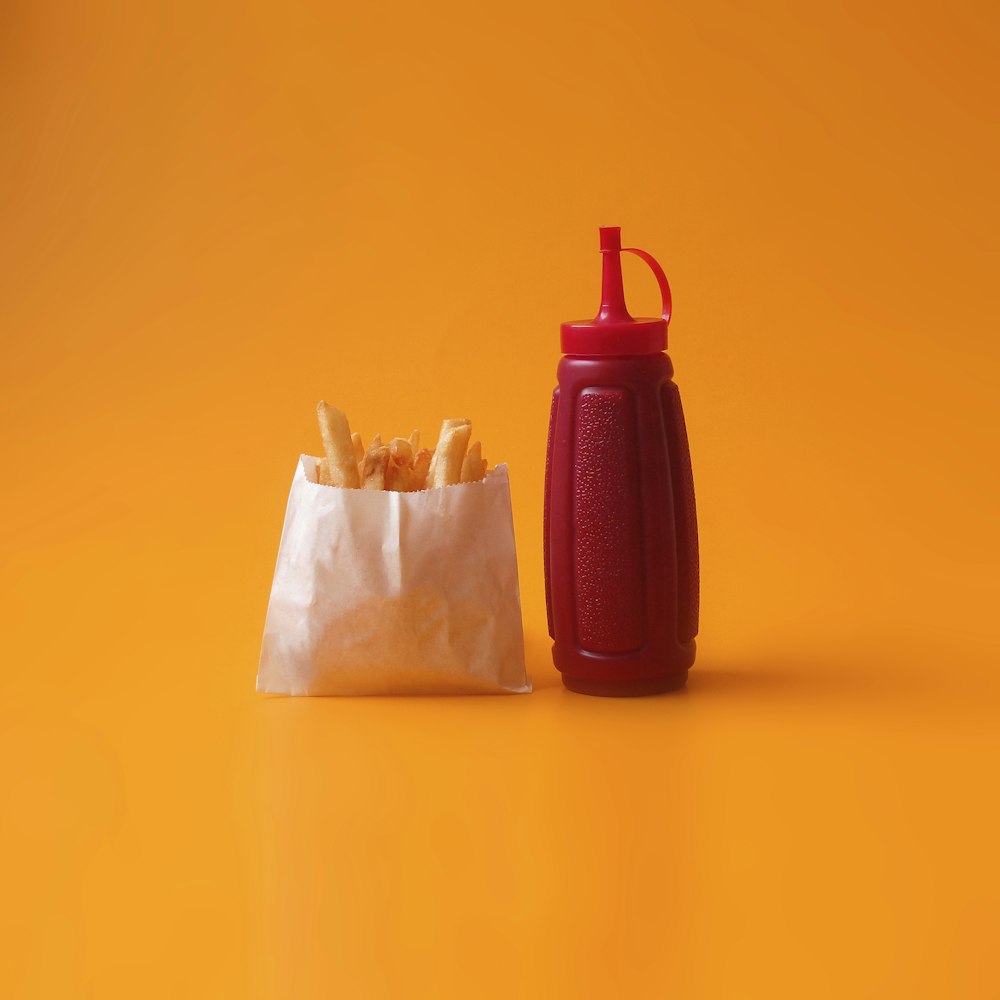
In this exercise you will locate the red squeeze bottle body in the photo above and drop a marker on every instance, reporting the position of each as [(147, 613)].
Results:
[(621, 535)]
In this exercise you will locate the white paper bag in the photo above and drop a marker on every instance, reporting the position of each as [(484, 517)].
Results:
[(378, 592)]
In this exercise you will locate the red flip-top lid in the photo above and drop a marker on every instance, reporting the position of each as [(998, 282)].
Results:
[(613, 330)]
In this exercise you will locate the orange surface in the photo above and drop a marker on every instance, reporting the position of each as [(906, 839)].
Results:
[(213, 216)]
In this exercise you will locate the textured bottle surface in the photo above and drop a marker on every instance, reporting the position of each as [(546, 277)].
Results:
[(621, 543), (607, 513)]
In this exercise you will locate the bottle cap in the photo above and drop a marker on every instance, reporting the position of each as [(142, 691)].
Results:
[(613, 330)]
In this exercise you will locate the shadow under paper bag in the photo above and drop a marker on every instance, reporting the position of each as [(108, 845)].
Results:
[(380, 592)]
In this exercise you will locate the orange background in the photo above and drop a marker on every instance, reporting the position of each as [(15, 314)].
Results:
[(214, 215)]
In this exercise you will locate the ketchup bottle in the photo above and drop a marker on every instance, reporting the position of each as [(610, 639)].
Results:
[(621, 536)]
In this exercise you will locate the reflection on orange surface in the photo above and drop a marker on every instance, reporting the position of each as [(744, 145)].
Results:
[(212, 218)]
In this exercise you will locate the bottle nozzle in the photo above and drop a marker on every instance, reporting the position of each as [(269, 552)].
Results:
[(613, 331), (613, 306), (611, 238)]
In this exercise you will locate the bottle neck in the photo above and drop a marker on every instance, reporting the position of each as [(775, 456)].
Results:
[(628, 369), (613, 308)]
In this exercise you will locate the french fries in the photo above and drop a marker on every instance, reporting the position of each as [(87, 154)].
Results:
[(373, 468), (421, 466), (399, 476), (401, 466), (401, 451), (342, 466), (446, 465), (474, 465)]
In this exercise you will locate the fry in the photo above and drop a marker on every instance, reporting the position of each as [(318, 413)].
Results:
[(446, 466), (421, 466), (398, 476), (473, 466), (401, 465), (341, 467), (401, 452), (374, 467)]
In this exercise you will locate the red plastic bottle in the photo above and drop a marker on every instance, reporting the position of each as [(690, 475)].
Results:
[(621, 535)]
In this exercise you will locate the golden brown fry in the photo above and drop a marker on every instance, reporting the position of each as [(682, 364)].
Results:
[(374, 463), (446, 466), (421, 466), (399, 466), (401, 452), (473, 466), (341, 465), (398, 476), (373, 468)]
